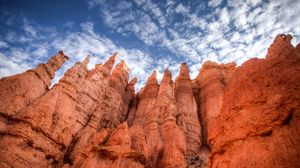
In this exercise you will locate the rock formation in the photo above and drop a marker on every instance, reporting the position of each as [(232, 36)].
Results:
[(258, 125), (228, 116), (186, 116), (18, 91), (210, 86)]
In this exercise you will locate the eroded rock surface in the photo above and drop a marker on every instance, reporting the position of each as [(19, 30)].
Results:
[(228, 116), (20, 90), (259, 122), (210, 86), (186, 116)]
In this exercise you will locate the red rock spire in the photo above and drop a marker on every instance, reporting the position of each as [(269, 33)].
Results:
[(48, 122), (146, 97), (108, 65), (173, 148), (151, 87), (282, 43), (30, 84), (187, 117)]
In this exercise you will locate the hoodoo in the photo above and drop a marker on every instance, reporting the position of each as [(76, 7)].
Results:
[(229, 116)]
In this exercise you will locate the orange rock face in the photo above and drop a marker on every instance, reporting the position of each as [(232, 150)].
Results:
[(22, 89), (210, 86), (186, 115), (229, 116), (259, 121)]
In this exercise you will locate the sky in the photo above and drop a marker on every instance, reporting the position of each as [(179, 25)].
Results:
[(148, 34)]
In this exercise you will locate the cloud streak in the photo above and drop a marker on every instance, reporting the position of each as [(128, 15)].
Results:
[(199, 35), (76, 44)]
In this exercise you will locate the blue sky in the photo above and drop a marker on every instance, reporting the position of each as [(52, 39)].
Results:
[(148, 34)]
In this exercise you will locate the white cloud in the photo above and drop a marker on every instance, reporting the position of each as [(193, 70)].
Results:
[(10, 67), (74, 44), (29, 30), (224, 16), (214, 3), (154, 10), (181, 9), (3, 44), (41, 51), (254, 2)]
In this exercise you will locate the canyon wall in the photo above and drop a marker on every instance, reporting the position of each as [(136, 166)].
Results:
[(228, 116)]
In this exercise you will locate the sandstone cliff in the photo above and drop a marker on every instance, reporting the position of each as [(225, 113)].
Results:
[(228, 116)]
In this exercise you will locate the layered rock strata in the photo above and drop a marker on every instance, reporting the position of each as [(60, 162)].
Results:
[(228, 116)]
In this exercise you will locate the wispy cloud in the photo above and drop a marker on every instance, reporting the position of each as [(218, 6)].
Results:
[(214, 3), (233, 24), (75, 44)]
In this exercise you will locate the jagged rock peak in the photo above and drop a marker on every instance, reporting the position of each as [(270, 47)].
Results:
[(151, 87), (78, 66), (57, 60), (152, 79), (20, 90), (211, 64), (123, 66), (98, 66), (108, 65), (281, 42), (114, 56), (153, 74), (167, 76), (166, 85), (120, 75), (133, 81), (184, 71), (47, 71), (86, 60), (287, 38), (75, 74)]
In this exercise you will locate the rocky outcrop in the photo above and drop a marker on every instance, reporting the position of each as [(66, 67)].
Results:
[(20, 90), (45, 127), (228, 116), (112, 150), (259, 122), (90, 96), (91, 93), (210, 86)]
